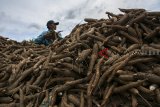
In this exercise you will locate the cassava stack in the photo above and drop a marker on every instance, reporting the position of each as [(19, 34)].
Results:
[(112, 62)]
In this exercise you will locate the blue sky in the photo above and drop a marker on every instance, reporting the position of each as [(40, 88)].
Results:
[(26, 19)]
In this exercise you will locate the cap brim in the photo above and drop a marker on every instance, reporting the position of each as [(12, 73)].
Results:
[(56, 23)]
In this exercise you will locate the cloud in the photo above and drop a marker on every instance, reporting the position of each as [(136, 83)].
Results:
[(71, 14), (2, 29), (35, 26)]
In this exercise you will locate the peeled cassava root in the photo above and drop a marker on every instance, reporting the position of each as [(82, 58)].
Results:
[(75, 71)]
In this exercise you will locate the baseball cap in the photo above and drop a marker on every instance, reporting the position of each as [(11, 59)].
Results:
[(52, 22)]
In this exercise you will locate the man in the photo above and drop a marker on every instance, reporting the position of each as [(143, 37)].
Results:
[(48, 37)]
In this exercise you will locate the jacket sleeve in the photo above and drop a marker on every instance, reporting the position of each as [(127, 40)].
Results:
[(40, 39)]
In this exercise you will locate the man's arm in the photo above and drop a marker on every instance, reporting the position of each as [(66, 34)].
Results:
[(50, 35), (59, 35)]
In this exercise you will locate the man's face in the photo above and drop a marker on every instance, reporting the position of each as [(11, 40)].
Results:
[(52, 26)]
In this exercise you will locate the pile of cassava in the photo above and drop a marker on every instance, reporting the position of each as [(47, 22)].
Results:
[(112, 62)]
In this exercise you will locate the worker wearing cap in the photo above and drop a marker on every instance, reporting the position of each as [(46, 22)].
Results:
[(48, 37)]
